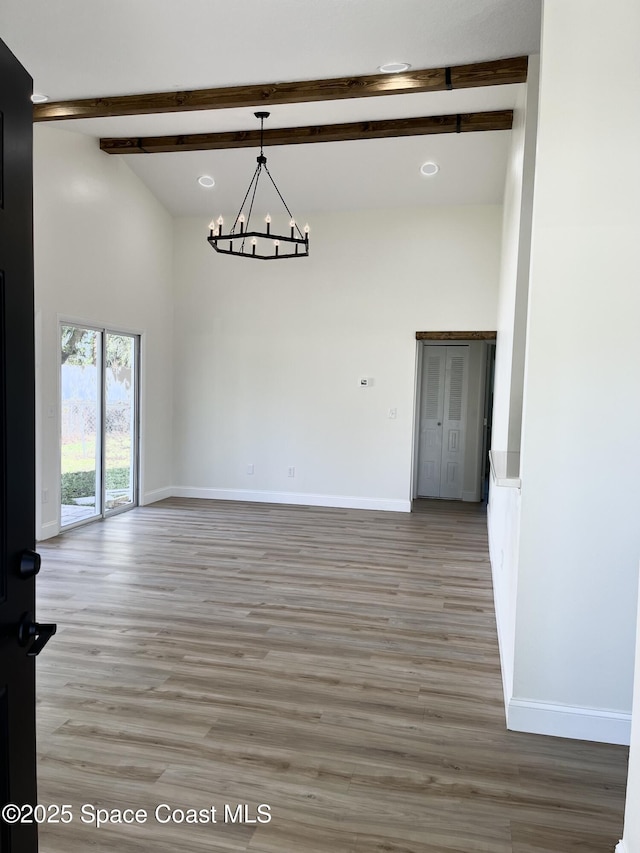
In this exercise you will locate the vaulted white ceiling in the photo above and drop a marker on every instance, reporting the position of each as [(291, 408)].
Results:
[(80, 49)]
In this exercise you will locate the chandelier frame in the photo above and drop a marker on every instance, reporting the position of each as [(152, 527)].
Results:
[(236, 239)]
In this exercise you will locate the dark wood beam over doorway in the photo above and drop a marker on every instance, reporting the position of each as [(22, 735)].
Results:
[(456, 336)]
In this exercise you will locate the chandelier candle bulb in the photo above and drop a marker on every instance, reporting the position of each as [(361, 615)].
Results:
[(292, 225), (220, 224), (241, 221), (276, 243), (306, 230), (253, 245)]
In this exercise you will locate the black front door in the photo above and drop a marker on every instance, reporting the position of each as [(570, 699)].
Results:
[(19, 635)]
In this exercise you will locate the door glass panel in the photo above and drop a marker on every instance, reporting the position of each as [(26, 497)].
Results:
[(81, 356), (120, 421)]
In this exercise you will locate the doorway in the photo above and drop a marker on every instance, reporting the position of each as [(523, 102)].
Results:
[(454, 371), (99, 392)]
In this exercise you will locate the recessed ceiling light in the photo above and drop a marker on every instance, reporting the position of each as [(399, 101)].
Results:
[(429, 168), (206, 181), (39, 98), (394, 67)]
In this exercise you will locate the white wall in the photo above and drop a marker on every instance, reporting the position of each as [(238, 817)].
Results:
[(103, 255), (504, 502), (580, 466), (503, 522), (514, 268), (269, 356)]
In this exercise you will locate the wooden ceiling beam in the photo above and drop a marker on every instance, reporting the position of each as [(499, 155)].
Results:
[(388, 128), (456, 336), (495, 73)]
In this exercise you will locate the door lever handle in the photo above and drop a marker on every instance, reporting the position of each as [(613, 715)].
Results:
[(38, 632)]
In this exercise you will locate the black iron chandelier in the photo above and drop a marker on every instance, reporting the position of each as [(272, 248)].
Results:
[(265, 245)]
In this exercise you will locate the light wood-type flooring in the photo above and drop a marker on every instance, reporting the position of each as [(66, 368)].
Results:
[(340, 666)]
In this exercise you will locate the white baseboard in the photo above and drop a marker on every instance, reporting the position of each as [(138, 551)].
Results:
[(471, 496), (526, 715), (157, 495), (48, 530), (299, 498)]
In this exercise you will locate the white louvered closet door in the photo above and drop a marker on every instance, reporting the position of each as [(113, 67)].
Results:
[(431, 414), (454, 423), (442, 421)]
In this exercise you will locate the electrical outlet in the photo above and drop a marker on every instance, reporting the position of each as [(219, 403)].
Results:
[(250, 468), (45, 496), (291, 471)]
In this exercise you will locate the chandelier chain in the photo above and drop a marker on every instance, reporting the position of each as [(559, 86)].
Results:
[(246, 195), (282, 200), (255, 187)]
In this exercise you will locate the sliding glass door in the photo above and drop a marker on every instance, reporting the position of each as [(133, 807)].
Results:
[(120, 421), (99, 423), (80, 438)]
